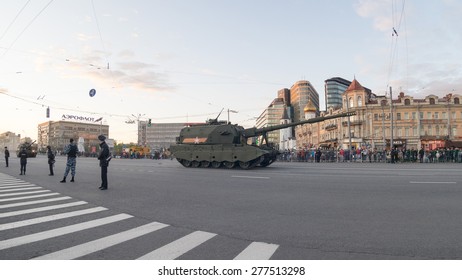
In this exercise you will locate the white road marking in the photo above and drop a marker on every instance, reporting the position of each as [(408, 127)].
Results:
[(40, 209), (178, 247), (102, 243), (22, 193), (414, 182), (249, 177), (14, 189), (26, 197), (7, 186), (50, 218), (257, 251), (34, 202), (13, 242)]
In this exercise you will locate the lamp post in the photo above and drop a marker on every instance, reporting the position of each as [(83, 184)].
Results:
[(231, 111)]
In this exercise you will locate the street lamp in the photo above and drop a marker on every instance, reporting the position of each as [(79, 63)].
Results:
[(231, 111)]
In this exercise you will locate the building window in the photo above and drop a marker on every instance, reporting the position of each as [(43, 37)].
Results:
[(407, 102), (454, 131), (398, 116), (429, 115), (406, 131), (406, 115), (437, 130), (350, 100), (400, 132), (443, 115), (421, 115), (414, 115), (430, 130), (376, 117), (432, 101), (453, 115), (436, 115), (456, 100), (360, 101), (414, 131)]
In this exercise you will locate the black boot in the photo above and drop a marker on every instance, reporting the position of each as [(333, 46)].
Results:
[(63, 180), (72, 180)]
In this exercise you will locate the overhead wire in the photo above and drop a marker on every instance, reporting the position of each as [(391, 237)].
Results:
[(14, 20), (25, 28)]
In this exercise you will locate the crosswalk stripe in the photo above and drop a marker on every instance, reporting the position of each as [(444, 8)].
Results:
[(13, 189), (102, 243), (16, 186), (257, 251), (34, 202), (178, 247), (13, 242), (40, 209), (22, 193), (27, 197), (50, 218)]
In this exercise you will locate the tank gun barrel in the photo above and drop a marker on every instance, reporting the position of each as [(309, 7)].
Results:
[(252, 132)]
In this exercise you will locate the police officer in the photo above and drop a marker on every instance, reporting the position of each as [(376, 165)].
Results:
[(103, 161), (51, 160), (71, 151), (7, 155), (23, 161)]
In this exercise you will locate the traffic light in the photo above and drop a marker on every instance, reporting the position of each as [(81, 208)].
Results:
[(48, 112), (149, 122)]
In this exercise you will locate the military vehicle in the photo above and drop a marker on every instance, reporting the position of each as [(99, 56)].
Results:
[(31, 149), (219, 143)]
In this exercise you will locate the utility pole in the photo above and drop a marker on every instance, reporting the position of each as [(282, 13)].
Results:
[(391, 120), (349, 130)]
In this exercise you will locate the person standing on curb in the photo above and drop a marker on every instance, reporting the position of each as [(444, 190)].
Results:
[(23, 160), (51, 160), (104, 158), (71, 151), (7, 155)]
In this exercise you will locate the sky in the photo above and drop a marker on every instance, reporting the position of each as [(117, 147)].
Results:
[(184, 61)]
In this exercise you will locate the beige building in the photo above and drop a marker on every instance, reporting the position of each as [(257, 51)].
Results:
[(429, 122), (10, 140), (57, 134)]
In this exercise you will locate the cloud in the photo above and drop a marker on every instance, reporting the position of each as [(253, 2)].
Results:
[(378, 11)]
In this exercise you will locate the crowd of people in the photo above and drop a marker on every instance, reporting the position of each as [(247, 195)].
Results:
[(365, 154)]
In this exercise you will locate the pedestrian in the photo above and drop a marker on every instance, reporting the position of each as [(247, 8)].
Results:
[(104, 158), (71, 151), (23, 161), (7, 155), (51, 160)]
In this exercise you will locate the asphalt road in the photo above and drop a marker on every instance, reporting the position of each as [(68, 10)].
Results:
[(304, 210)]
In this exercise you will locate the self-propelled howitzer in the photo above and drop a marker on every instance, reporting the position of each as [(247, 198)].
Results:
[(219, 143)]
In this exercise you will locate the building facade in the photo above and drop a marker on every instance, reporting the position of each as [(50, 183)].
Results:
[(272, 116), (159, 136), (429, 122), (300, 93), (57, 135), (10, 140), (334, 89)]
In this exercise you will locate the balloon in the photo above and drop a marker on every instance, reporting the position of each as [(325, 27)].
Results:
[(92, 92)]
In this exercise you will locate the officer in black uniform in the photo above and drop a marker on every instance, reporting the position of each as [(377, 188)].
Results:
[(23, 161), (104, 158), (7, 155)]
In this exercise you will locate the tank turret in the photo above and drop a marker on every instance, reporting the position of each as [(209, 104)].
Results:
[(31, 149), (219, 144)]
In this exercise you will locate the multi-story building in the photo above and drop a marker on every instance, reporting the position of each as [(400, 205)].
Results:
[(300, 93), (10, 140), (57, 134), (333, 89), (272, 116), (159, 135), (429, 122)]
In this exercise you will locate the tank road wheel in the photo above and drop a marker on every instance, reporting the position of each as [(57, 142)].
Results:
[(205, 164), (196, 164), (186, 163), (245, 164), (229, 164), (216, 164)]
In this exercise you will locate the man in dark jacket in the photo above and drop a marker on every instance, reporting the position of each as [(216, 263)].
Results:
[(104, 158), (7, 155), (51, 160), (23, 160), (71, 151)]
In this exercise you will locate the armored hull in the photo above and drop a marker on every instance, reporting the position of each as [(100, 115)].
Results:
[(223, 155)]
